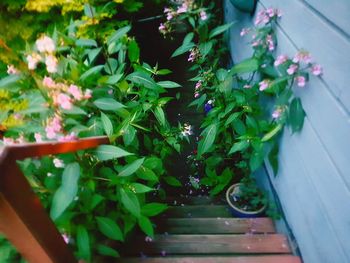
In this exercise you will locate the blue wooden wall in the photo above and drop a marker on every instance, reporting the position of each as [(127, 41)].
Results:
[(313, 183)]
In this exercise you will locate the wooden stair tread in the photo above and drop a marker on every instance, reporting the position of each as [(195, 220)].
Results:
[(211, 244), (238, 259), (191, 211), (216, 225), (193, 200)]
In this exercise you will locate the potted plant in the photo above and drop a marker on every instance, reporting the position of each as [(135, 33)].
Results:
[(246, 199)]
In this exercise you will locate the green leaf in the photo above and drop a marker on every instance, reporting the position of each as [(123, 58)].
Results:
[(130, 202), (140, 188), (83, 243), (232, 118), (188, 38), (220, 29), (129, 135), (256, 160), (160, 116), (153, 209), (109, 152), (171, 180), (92, 71), (272, 133), (296, 115), (246, 66), (163, 72), (66, 193), (209, 137), (147, 174), (183, 49), (239, 146), (168, 84), (142, 79), (85, 43), (93, 53), (9, 80), (133, 51), (205, 48), (109, 228), (118, 34), (107, 124), (89, 10), (107, 251), (131, 168), (108, 104), (73, 111), (146, 226)]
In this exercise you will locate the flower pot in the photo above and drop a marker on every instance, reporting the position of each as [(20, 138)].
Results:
[(247, 6), (238, 212)]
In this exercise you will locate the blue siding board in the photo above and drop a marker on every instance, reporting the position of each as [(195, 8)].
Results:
[(330, 48), (314, 177), (336, 11)]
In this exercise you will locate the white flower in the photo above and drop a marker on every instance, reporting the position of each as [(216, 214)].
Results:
[(33, 60), (58, 163), (51, 64), (45, 44)]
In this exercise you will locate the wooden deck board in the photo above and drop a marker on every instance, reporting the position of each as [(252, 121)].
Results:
[(239, 259), (191, 211), (211, 244), (215, 225)]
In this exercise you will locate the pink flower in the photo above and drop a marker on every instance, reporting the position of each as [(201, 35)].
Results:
[(88, 94), (58, 163), (280, 60), (162, 28), (33, 60), (316, 70), (68, 138), (51, 64), (277, 113), (64, 101), (148, 239), (11, 70), (301, 81), (270, 43), (182, 9), (75, 92), (65, 238), (193, 55), (198, 85), (8, 141), (38, 137), (196, 95), (256, 43), (53, 127), (270, 12), (247, 86), (292, 69), (49, 82), (263, 85), (45, 44), (302, 56), (203, 15), (244, 31)]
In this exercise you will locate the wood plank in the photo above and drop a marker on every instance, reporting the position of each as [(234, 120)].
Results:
[(238, 259), (194, 200), (189, 211), (216, 226), (210, 244)]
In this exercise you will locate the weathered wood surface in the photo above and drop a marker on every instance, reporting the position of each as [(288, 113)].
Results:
[(216, 225), (238, 259), (189, 211), (212, 244), (23, 220)]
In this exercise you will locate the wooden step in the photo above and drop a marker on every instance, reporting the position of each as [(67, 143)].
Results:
[(210, 244), (238, 259), (193, 200), (215, 225), (191, 211)]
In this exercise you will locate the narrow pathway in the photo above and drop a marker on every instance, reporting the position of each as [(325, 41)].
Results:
[(203, 231)]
